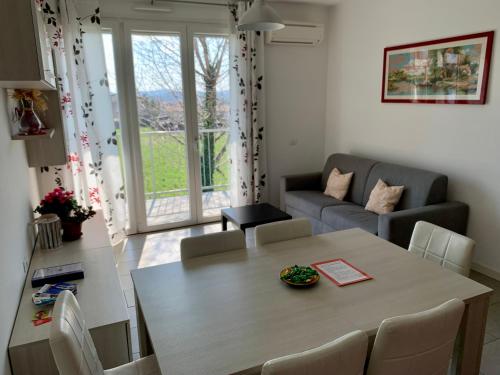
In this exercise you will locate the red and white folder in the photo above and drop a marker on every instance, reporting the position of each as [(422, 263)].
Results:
[(341, 272)]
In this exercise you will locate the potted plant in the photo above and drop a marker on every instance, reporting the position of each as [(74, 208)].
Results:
[(72, 215)]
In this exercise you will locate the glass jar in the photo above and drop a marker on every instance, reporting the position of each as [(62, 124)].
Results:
[(29, 123)]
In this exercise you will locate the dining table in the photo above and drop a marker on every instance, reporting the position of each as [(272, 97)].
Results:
[(229, 313)]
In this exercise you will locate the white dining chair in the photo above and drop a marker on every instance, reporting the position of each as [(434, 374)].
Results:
[(343, 356), (451, 250), (417, 344), (212, 243), (73, 349), (282, 231)]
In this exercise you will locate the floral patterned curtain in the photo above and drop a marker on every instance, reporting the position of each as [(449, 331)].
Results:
[(248, 149), (93, 168)]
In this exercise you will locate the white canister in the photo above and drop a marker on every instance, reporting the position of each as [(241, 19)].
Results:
[(49, 231)]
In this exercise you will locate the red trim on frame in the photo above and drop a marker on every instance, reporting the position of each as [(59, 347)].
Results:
[(315, 265), (486, 71)]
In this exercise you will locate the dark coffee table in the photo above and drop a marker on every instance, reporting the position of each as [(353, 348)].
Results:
[(250, 216)]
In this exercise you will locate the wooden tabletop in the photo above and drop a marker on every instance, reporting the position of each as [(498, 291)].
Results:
[(229, 312)]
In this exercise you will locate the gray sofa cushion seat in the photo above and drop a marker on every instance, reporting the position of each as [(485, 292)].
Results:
[(311, 202), (350, 216), (421, 187), (349, 163)]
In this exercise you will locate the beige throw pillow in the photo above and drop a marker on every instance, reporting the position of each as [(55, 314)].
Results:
[(384, 198), (338, 184)]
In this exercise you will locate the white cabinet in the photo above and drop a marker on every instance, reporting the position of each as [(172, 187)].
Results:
[(48, 149), (27, 63), (26, 60), (100, 297)]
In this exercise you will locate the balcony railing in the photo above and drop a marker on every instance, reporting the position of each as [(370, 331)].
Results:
[(165, 166)]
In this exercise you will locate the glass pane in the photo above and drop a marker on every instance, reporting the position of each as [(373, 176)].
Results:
[(107, 39), (212, 91), (160, 104)]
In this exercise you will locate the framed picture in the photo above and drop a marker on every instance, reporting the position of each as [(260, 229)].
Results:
[(450, 71)]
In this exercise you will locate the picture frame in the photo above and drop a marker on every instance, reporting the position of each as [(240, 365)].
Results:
[(443, 71)]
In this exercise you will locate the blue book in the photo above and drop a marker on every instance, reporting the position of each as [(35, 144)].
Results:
[(57, 274)]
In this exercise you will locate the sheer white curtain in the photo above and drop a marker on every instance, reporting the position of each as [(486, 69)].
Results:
[(248, 136), (93, 168)]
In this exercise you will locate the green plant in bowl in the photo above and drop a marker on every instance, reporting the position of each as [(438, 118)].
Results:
[(299, 275)]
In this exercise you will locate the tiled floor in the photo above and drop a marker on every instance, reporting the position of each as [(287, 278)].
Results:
[(490, 364), (175, 209), (146, 250)]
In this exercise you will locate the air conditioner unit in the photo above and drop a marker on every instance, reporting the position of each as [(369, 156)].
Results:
[(297, 33)]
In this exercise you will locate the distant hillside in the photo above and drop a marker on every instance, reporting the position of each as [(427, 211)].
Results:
[(170, 96)]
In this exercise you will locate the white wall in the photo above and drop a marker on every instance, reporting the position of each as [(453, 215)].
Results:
[(295, 104), (179, 12), (16, 193), (461, 141)]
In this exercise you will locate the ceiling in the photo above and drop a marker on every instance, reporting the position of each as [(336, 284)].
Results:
[(322, 2)]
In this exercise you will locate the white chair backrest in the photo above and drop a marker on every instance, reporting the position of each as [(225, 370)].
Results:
[(344, 356), (451, 250), (282, 231), (72, 346), (212, 243), (417, 344)]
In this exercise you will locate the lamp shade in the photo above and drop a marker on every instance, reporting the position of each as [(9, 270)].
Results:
[(260, 17)]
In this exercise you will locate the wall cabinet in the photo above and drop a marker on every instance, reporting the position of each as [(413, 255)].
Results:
[(100, 297), (27, 63), (26, 52), (42, 150), (49, 151)]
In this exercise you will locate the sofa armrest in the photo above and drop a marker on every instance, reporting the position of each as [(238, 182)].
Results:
[(307, 181), (397, 227)]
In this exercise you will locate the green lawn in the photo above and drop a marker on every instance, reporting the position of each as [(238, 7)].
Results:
[(165, 154)]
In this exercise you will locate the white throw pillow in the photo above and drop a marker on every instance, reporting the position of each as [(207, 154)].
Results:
[(338, 184), (384, 198)]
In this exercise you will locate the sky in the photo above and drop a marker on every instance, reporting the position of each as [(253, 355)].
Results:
[(147, 83)]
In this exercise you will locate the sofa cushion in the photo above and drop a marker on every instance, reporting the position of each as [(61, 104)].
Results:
[(384, 198), (348, 163), (311, 202), (421, 187), (338, 184), (317, 225), (350, 216)]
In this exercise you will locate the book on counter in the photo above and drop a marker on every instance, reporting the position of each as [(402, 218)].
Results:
[(41, 317), (48, 293), (57, 274)]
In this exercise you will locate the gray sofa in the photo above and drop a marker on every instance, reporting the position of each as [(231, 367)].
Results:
[(424, 198)]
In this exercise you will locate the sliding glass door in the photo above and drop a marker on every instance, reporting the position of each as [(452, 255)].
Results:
[(176, 84), (211, 64), (161, 120)]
